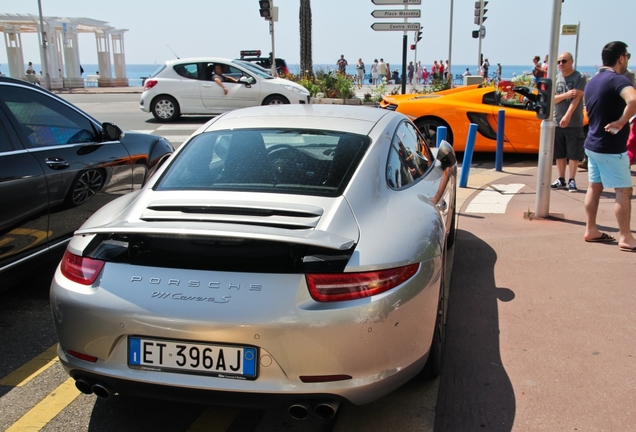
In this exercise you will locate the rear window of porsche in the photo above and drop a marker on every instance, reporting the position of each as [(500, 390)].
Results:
[(295, 161)]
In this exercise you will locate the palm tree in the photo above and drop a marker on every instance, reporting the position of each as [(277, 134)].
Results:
[(306, 64)]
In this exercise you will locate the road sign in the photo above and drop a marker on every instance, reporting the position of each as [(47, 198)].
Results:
[(396, 2), (395, 26), (397, 13), (569, 29)]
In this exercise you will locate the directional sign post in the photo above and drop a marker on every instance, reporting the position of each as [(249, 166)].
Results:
[(405, 26), (397, 13), (395, 26), (573, 29)]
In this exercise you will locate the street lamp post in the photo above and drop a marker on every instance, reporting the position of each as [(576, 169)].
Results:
[(45, 61)]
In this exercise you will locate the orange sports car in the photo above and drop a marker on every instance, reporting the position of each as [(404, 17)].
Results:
[(459, 107)]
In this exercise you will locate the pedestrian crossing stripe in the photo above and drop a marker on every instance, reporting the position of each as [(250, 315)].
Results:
[(191, 127), (494, 199)]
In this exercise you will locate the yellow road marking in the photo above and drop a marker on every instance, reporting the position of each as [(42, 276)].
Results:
[(47, 409), (30, 370), (214, 419)]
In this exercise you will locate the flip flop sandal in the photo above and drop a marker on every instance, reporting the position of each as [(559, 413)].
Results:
[(604, 238)]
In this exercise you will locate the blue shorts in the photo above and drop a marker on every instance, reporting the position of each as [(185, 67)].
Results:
[(611, 170)]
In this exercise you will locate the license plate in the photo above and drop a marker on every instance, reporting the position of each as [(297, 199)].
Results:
[(223, 361)]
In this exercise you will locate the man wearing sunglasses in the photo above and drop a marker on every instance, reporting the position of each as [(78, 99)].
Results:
[(568, 115), (610, 100)]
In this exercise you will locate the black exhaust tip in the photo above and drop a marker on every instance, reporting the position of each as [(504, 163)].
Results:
[(298, 412), (101, 391), (83, 386), (327, 410)]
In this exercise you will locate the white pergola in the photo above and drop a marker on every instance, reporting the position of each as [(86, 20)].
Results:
[(62, 48)]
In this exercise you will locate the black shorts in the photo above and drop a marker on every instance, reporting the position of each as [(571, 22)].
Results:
[(568, 143)]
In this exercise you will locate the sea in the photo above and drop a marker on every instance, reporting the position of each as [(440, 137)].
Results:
[(136, 73)]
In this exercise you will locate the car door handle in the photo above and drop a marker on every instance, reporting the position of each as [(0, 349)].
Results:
[(206, 85), (56, 163)]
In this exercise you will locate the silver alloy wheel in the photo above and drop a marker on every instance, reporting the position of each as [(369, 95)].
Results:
[(275, 100), (164, 108), (86, 186)]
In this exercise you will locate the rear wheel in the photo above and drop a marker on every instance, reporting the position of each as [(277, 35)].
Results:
[(165, 108), (428, 128), (275, 100)]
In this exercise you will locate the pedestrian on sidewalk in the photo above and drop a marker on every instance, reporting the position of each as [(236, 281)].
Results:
[(568, 115), (610, 101), (411, 71), (382, 70), (418, 72), (360, 70), (374, 72)]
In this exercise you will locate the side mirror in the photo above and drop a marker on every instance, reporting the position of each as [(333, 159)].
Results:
[(111, 132), (246, 80), (446, 154)]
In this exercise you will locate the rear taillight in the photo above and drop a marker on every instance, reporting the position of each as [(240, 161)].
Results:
[(79, 269), (149, 83), (348, 286)]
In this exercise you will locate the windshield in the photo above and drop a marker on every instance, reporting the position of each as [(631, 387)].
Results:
[(255, 69), (295, 161)]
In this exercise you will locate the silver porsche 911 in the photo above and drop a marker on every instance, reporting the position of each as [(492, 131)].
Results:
[(283, 254)]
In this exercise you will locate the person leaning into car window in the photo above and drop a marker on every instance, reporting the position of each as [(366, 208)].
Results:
[(219, 78)]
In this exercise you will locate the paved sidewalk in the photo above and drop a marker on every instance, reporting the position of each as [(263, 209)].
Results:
[(540, 330)]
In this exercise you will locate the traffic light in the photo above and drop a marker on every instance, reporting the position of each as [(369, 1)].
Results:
[(480, 13), (544, 99), (418, 36), (413, 46), (482, 31), (265, 9)]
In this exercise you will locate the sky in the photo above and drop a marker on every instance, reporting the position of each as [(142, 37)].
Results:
[(516, 30)]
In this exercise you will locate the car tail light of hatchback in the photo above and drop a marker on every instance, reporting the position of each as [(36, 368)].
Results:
[(82, 270), (150, 83), (331, 287)]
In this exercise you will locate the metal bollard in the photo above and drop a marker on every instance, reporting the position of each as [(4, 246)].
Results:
[(441, 135), (501, 121), (468, 154)]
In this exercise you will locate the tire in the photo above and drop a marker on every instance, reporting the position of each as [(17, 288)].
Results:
[(165, 108), (428, 128), (85, 186), (275, 100)]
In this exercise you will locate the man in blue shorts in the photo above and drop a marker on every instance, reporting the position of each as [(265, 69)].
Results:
[(610, 100)]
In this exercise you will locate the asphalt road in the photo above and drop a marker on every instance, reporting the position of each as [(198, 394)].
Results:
[(35, 393)]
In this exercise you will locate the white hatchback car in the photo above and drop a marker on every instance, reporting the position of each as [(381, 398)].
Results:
[(185, 86)]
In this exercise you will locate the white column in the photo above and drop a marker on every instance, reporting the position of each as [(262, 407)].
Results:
[(73, 77), (103, 58), (52, 55), (119, 58), (13, 43)]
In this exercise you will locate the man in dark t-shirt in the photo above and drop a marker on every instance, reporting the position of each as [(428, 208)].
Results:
[(610, 100)]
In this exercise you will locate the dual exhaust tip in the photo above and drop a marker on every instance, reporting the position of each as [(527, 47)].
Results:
[(89, 387), (298, 411), (325, 410)]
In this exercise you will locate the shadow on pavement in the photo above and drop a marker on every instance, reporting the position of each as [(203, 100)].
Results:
[(475, 392)]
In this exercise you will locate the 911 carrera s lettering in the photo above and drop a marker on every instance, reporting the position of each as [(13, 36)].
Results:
[(182, 296)]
